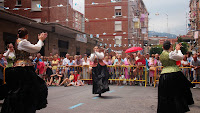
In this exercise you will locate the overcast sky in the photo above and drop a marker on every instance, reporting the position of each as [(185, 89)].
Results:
[(176, 11)]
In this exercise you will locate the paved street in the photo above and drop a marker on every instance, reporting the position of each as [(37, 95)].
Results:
[(120, 99)]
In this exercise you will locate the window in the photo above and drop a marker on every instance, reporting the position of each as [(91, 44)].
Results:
[(1, 5), (63, 44), (37, 19), (18, 2), (118, 11), (116, 0), (77, 50), (118, 25), (118, 40), (36, 5)]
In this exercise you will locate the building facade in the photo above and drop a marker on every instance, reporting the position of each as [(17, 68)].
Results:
[(48, 11), (194, 25), (117, 23), (61, 39)]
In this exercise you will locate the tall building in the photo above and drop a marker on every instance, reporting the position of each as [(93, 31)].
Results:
[(48, 11), (119, 24), (194, 25)]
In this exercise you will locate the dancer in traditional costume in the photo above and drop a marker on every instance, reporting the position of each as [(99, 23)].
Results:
[(100, 72), (24, 91), (174, 93)]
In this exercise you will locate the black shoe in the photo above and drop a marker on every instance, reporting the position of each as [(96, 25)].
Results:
[(100, 95)]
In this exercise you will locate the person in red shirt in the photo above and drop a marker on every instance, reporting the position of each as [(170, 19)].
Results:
[(139, 69), (40, 68), (77, 79)]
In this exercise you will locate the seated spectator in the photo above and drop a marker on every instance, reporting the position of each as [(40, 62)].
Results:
[(68, 81), (77, 79), (56, 81), (59, 76)]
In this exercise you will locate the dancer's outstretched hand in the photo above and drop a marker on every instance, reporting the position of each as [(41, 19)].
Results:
[(42, 36)]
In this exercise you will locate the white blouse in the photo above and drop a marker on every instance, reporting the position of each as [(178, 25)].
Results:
[(176, 55), (99, 55), (28, 47), (9, 54)]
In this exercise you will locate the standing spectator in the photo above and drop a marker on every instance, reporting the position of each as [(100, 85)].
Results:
[(107, 61), (160, 68), (195, 63), (78, 63), (70, 65), (127, 63), (10, 55), (86, 64), (148, 57), (58, 57), (40, 68), (2, 66), (139, 69), (152, 70), (38, 57), (185, 63), (198, 56), (54, 64), (118, 63), (49, 71), (65, 62), (190, 58)]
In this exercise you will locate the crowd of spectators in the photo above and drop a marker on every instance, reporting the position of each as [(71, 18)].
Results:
[(69, 70)]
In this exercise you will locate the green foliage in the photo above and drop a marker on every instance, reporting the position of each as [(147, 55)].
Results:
[(156, 50), (184, 47)]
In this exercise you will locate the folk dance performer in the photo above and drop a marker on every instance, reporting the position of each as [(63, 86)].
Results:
[(100, 73), (24, 91), (174, 93)]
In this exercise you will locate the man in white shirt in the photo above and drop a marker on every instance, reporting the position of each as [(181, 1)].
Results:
[(65, 62), (195, 63)]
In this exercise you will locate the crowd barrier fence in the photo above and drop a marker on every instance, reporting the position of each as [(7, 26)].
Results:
[(120, 70)]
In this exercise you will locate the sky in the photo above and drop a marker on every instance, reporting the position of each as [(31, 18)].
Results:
[(176, 11)]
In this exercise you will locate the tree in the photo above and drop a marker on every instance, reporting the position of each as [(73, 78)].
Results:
[(184, 48), (156, 50)]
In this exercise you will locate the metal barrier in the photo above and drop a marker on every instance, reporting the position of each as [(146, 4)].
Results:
[(122, 72), (156, 80)]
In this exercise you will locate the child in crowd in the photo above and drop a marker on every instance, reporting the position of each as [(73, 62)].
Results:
[(68, 81), (54, 76), (77, 79)]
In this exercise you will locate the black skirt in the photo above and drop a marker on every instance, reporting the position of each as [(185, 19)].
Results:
[(24, 91), (100, 77), (174, 94)]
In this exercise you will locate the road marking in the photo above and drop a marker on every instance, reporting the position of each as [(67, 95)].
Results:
[(121, 87), (111, 91), (95, 97), (76, 105)]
